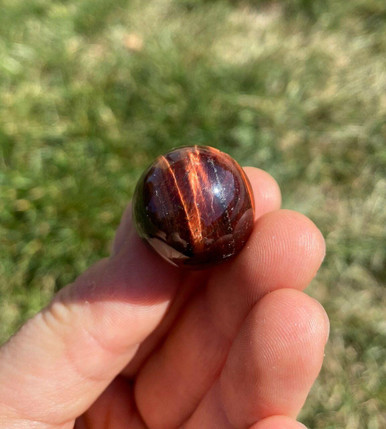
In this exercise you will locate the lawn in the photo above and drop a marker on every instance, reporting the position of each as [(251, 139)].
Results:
[(92, 90)]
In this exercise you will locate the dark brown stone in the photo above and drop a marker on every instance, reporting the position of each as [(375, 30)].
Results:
[(194, 206)]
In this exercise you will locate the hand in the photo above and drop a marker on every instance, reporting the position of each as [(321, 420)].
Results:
[(136, 343)]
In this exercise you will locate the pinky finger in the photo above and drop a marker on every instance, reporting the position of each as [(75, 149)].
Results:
[(278, 422)]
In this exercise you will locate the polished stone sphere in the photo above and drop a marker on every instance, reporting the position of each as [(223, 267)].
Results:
[(194, 206)]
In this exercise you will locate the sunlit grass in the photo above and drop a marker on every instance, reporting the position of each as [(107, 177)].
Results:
[(91, 91)]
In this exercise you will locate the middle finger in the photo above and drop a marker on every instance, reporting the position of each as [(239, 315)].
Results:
[(285, 250)]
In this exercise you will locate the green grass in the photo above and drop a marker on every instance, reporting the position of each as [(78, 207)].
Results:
[(91, 91)]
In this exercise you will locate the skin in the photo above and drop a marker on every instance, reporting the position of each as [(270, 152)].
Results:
[(136, 343)]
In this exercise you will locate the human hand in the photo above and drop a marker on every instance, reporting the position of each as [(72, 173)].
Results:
[(136, 343)]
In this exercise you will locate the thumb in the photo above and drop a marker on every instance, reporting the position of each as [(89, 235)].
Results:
[(60, 361)]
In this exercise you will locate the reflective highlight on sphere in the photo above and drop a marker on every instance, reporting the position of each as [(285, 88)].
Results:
[(194, 206)]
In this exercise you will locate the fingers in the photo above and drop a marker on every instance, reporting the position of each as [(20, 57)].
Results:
[(275, 359), (63, 358), (284, 249), (211, 414), (115, 408), (266, 191), (278, 422)]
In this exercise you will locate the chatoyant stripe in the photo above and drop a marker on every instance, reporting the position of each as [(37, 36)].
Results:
[(192, 216)]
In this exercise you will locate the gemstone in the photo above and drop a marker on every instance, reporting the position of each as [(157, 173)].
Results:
[(194, 206)]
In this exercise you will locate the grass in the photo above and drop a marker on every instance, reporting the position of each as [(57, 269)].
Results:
[(91, 91)]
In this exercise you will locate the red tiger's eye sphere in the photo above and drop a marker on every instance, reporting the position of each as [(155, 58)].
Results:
[(194, 206)]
